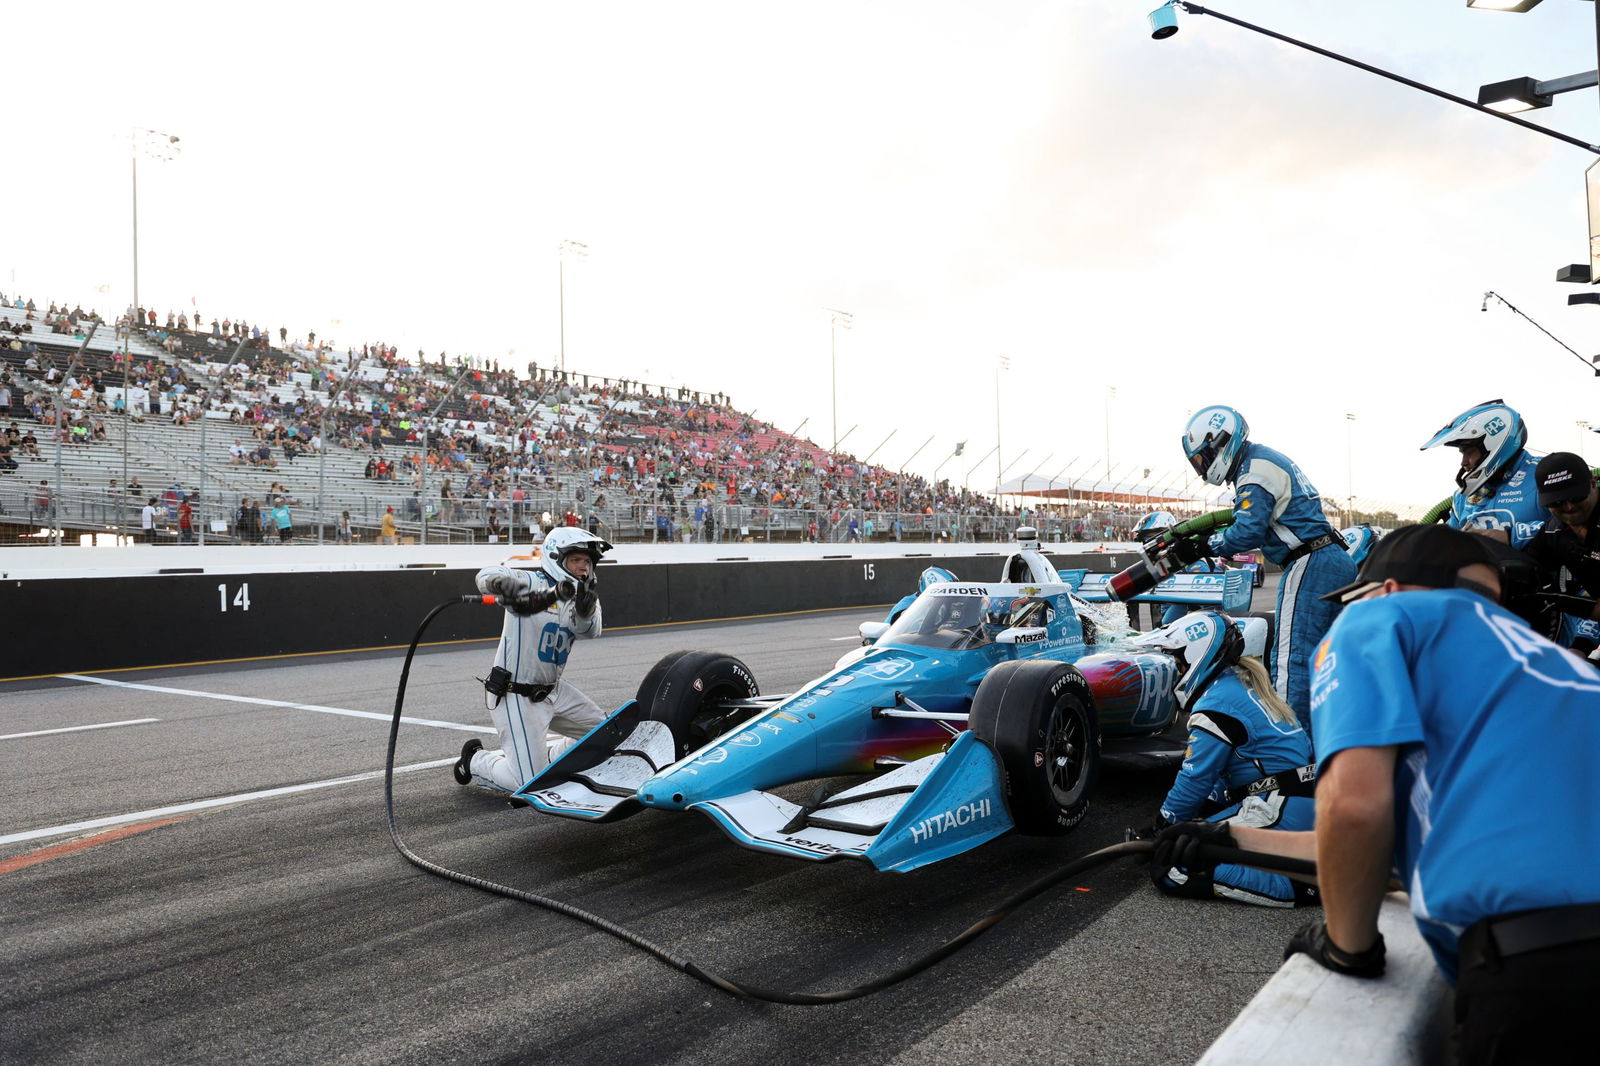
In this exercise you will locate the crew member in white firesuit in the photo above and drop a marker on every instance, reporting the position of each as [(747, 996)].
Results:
[(1248, 762), (546, 610)]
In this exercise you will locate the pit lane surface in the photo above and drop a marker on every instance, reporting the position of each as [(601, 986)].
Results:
[(284, 927)]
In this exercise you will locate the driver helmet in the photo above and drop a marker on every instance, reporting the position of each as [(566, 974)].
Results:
[(1153, 524), (1358, 542), (1497, 428), (561, 542), (1214, 440), (1206, 642), (934, 575)]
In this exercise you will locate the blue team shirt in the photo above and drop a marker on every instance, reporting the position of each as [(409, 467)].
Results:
[(1232, 741), (1275, 507), (1512, 505), (1495, 796)]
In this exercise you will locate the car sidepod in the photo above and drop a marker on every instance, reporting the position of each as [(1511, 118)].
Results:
[(1132, 690)]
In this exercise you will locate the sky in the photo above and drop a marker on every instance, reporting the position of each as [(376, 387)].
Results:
[(1138, 228)]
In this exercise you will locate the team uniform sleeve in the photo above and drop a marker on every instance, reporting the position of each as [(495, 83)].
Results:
[(1252, 516), (1204, 770), (1362, 694)]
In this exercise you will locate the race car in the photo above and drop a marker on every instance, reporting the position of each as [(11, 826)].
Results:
[(983, 708)]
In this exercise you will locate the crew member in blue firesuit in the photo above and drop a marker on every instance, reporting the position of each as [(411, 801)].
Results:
[(1275, 509), (1153, 525), (1496, 481), (1247, 755)]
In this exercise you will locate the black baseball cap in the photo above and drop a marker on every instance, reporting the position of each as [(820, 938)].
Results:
[(1562, 477), (1418, 555)]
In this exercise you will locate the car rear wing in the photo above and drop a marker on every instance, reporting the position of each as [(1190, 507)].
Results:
[(1227, 590)]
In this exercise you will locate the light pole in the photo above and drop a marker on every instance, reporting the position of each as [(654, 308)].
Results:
[(1349, 461), (161, 146), (1111, 394), (900, 477), (1022, 490), (322, 459), (576, 250), (426, 429), (1004, 363), (53, 513), (204, 410), (837, 320)]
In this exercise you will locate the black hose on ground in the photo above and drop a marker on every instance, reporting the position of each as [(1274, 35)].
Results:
[(727, 984)]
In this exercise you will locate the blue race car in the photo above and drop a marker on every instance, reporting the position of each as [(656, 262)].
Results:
[(982, 708)]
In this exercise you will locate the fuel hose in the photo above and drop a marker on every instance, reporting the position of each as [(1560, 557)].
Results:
[(739, 989)]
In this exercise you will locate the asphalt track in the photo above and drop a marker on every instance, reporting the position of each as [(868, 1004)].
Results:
[(153, 909)]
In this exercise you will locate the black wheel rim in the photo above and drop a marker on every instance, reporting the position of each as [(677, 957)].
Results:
[(1065, 752)]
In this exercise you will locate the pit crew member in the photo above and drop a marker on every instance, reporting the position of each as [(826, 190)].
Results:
[(1495, 494), (1567, 548), (546, 610), (1247, 754), (1414, 772), (1278, 510), (1153, 525)]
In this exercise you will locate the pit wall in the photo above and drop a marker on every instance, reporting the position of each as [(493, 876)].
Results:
[(76, 610)]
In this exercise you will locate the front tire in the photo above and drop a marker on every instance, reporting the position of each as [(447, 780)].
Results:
[(688, 689), (1038, 717)]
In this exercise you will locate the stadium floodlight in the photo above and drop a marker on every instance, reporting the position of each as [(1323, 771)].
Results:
[(1526, 94), (1517, 6)]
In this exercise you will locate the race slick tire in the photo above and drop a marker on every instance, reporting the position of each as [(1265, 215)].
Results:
[(1038, 717), (688, 691)]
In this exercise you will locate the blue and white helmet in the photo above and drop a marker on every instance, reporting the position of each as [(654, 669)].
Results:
[(1358, 542), (1153, 523), (1497, 428), (563, 541), (1207, 641), (1213, 441), (934, 575)]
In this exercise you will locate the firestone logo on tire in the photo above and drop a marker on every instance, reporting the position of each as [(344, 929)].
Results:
[(699, 686), (1038, 758)]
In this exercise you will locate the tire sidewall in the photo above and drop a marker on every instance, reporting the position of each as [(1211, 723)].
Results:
[(689, 684), (1015, 711)]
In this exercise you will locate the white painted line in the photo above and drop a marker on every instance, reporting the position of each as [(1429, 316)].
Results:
[(76, 728), (200, 805), (279, 703), (856, 636)]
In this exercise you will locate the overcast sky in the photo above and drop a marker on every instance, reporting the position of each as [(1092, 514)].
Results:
[(1214, 218)]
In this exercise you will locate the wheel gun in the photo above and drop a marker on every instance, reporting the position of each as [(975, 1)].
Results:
[(1159, 556)]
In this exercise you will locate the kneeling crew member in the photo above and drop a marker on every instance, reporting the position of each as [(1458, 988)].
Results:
[(546, 610)]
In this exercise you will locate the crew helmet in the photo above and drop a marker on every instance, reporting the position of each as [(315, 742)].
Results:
[(1208, 643), (563, 541), (1213, 441), (1497, 428), (1152, 524), (1358, 542), (934, 575)]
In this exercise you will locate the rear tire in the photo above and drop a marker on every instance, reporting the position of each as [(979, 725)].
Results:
[(1038, 717), (687, 690)]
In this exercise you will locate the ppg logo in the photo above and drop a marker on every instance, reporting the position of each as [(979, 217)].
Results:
[(1495, 426), (1217, 420), (555, 642), (1195, 632)]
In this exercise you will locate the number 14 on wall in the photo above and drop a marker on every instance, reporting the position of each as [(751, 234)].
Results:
[(241, 599)]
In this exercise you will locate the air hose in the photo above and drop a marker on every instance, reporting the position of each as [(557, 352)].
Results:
[(1137, 848)]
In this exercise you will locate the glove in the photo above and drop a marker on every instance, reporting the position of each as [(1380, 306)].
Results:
[(531, 602), (1312, 940), (1179, 845), (1187, 550), (585, 598)]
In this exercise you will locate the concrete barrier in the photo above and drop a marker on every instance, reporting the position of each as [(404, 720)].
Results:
[(1306, 1014), (82, 610)]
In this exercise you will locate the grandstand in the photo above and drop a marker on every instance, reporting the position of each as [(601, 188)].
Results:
[(223, 415)]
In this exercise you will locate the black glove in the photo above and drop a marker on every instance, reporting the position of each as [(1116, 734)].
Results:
[(585, 599), (1313, 940), (1179, 845), (1186, 550), (534, 602)]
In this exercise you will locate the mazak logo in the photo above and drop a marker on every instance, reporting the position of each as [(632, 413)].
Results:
[(1495, 426), (939, 823)]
